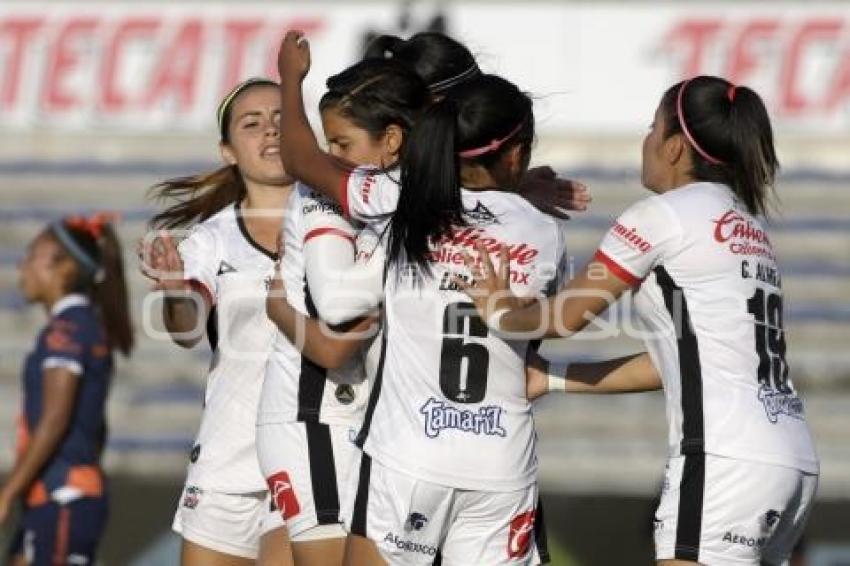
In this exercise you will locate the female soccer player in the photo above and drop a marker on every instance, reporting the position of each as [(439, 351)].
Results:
[(218, 277), (425, 449), (742, 463), (74, 269)]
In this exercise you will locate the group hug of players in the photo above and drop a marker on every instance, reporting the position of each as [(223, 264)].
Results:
[(374, 311)]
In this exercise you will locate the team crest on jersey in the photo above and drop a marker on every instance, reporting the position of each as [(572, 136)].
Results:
[(440, 416), (192, 496), (481, 215), (416, 522), (225, 267), (778, 403), (344, 394)]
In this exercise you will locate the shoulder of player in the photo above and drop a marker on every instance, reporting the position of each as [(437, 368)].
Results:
[(308, 201), (77, 324)]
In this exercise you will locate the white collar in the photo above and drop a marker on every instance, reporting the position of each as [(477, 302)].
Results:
[(68, 301)]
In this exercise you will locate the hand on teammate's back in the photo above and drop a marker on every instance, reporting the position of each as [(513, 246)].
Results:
[(553, 195), (293, 59)]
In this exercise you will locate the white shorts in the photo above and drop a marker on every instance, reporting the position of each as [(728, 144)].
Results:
[(721, 511), (306, 466), (413, 521), (225, 522)]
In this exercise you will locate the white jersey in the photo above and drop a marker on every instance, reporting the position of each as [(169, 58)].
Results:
[(234, 270), (295, 388), (448, 403), (710, 300)]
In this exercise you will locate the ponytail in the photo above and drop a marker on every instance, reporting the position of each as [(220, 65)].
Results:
[(110, 294), (198, 197), (383, 47), (476, 126), (755, 169), (729, 135), (93, 245), (442, 62), (430, 202)]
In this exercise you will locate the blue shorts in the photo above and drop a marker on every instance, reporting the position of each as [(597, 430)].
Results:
[(61, 534)]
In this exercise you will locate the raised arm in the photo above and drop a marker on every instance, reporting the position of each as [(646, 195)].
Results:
[(302, 157)]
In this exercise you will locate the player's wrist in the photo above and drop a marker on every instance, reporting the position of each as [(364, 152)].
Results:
[(494, 321), (557, 376)]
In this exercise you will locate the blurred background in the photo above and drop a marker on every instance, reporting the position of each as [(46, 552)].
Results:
[(100, 100)]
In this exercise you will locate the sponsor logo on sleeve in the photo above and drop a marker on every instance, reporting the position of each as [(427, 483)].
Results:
[(59, 339), (440, 416), (630, 237), (283, 494), (521, 531)]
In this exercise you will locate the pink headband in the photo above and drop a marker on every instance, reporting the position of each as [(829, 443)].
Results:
[(492, 146), (693, 142)]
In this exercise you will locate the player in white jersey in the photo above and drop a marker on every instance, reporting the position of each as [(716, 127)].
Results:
[(366, 113), (501, 422), (218, 277), (743, 470)]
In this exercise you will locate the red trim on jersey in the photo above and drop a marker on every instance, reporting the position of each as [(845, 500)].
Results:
[(328, 231), (200, 287), (344, 194), (622, 273)]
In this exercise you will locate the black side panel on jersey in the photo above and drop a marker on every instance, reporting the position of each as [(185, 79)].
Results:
[(540, 539), (692, 486), (361, 499), (376, 387), (323, 473), (311, 382), (212, 328), (689, 521)]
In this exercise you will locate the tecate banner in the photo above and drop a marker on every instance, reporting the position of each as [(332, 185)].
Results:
[(593, 68)]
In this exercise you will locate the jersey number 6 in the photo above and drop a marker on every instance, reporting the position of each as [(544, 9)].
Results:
[(458, 383)]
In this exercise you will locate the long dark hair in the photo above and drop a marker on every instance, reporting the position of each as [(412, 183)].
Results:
[(478, 124), (95, 249), (441, 61), (729, 135), (201, 196), (377, 93)]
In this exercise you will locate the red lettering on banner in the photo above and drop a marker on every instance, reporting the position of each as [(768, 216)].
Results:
[(791, 100), (308, 25), (739, 43), (63, 59), (20, 31), (742, 60), (839, 92), (696, 36), (237, 34), (178, 68), (112, 99)]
